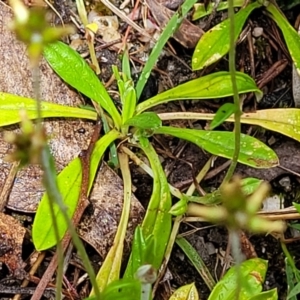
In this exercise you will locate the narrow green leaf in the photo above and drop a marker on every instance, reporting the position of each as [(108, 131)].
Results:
[(126, 65), (291, 36), (127, 94), (73, 69), (137, 252), (10, 106), (200, 11), (290, 278), (215, 85), (143, 252), (69, 183), (196, 261), (253, 152), (252, 272), (147, 120), (168, 31), (268, 295), (111, 267), (214, 44), (128, 97), (129, 101), (157, 221), (186, 292), (224, 112)]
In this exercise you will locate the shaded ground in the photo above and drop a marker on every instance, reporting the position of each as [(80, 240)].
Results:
[(181, 161)]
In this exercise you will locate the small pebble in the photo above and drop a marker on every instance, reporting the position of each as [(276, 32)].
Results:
[(257, 31)]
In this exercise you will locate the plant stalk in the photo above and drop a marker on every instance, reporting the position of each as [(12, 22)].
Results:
[(237, 114)]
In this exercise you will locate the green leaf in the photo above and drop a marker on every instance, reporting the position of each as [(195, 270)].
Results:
[(268, 295), (126, 65), (215, 85), (10, 106), (196, 261), (69, 183), (127, 94), (200, 11), (147, 120), (168, 31), (128, 97), (253, 152), (137, 252), (111, 266), (180, 207), (123, 289), (186, 292), (73, 69), (157, 221), (214, 44), (250, 185), (252, 272), (290, 278), (224, 112), (291, 36)]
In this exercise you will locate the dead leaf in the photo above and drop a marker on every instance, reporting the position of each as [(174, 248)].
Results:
[(11, 236), (187, 34), (67, 137), (99, 225)]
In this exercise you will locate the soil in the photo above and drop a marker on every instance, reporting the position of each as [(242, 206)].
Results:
[(181, 160)]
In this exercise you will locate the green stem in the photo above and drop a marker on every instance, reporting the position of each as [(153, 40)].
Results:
[(237, 114), (235, 248)]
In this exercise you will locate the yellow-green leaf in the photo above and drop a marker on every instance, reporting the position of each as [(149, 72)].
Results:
[(283, 120), (10, 106), (252, 273), (215, 85), (268, 295), (214, 44), (186, 292)]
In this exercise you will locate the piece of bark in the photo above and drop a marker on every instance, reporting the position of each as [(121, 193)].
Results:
[(11, 239), (187, 34), (99, 225)]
